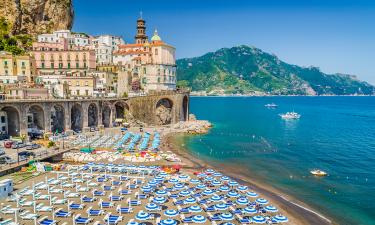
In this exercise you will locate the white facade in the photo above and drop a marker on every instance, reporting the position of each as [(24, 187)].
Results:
[(74, 39), (109, 40), (12, 79), (103, 53)]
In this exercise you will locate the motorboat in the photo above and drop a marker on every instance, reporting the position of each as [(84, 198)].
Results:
[(290, 115), (319, 173), (272, 105)]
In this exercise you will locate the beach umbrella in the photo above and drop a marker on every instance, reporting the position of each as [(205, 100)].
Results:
[(153, 182), (217, 174), (221, 206), (210, 171), (251, 194), (224, 188), (201, 175), (216, 183), (271, 208), (209, 179), (179, 186), (226, 216), (258, 219), (146, 188), (242, 201), (142, 215), (161, 193), (194, 181), (132, 223), (227, 223), (159, 200), (233, 194), (208, 192), (183, 177), (168, 222), (201, 186), (171, 213), (262, 201), (195, 209), (152, 207), (242, 188), (159, 178), (225, 178), (280, 218), (173, 181), (216, 198), (249, 210), (190, 200), (199, 219), (233, 183), (184, 193), (162, 173)]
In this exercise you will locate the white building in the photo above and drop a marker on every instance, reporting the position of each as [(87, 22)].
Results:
[(74, 39), (104, 46), (109, 40)]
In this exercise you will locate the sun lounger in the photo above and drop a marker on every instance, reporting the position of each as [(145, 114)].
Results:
[(87, 199), (46, 221), (76, 206), (98, 193), (81, 220), (7, 222), (112, 219), (62, 213), (94, 212), (28, 216), (124, 210), (105, 204)]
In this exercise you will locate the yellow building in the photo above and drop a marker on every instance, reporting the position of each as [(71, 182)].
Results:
[(80, 86), (13, 66)]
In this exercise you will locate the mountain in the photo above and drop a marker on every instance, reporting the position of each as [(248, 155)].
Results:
[(37, 16), (249, 70)]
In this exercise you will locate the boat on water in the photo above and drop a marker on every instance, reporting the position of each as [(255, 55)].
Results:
[(290, 115), (319, 173), (272, 105)]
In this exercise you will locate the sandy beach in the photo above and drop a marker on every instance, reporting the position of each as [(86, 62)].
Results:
[(298, 212)]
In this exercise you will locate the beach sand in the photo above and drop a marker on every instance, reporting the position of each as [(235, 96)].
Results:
[(297, 212)]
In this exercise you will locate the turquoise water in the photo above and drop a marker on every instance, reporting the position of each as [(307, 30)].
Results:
[(335, 134)]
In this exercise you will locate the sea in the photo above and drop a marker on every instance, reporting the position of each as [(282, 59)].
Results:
[(334, 134)]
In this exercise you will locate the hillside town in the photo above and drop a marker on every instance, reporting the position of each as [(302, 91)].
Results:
[(69, 65)]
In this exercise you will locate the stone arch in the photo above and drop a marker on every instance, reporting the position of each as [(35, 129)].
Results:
[(185, 108), (163, 111), (57, 118), (92, 115), (120, 109), (10, 120), (76, 117), (106, 115), (35, 117)]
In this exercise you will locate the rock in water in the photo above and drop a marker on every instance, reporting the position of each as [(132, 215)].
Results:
[(37, 16)]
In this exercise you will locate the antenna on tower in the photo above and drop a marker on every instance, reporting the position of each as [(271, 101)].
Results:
[(141, 15)]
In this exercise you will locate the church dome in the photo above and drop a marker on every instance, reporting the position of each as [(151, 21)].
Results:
[(156, 36)]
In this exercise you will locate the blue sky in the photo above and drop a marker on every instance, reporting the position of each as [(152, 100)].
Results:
[(337, 36)]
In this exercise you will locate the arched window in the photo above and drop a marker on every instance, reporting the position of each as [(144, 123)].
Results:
[(156, 51)]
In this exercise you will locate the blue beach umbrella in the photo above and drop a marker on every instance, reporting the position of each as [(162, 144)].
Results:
[(227, 223), (168, 222), (199, 219), (194, 181), (226, 216), (224, 188), (249, 210), (201, 186), (152, 207), (217, 174), (271, 208), (209, 179), (233, 194), (251, 194), (179, 186), (163, 174), (225, 178), (142, 215), (221, 206), (202, 175), (171, 213), (216, 183), (242, 201), (210, 171), (146, 188), (190, 200), (242, 188), (262, 201), (280, 218), (153, 182), (184, 193), (216, 198), (258, 219), (161, 193), (233, 183), (159, 200), (208, 192), (173, 181), (159, 178), (195, 209), (183, 177)]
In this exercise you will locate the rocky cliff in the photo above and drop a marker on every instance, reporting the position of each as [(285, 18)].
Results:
[(37, 16)]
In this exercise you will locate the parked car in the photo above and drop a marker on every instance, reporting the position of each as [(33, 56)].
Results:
[(32, 146), (6, 160), (17, 145), (8, 144), (26, 154)]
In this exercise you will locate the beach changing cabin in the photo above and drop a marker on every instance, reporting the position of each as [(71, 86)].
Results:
[(6, 187)]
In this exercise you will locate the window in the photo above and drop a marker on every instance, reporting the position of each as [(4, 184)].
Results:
[(23, 64), (60, 65), (23, 72), (77, 92), (156, 51), (68, 65), (43, 65), (86, 83), (52, 65), (6, 72), (5, 63), (77, 65), (158, 79), (3, 128), (87, 92), (77, 83), (2, 119), (84, 65)]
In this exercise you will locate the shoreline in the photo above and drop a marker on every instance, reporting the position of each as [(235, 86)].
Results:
[(297, 211)]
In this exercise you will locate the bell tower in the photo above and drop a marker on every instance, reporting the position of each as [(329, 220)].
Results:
[(141, 36)]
